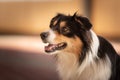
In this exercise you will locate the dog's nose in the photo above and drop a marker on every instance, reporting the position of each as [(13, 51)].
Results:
[(44, 35)]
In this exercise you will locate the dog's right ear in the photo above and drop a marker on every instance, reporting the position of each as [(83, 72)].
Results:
[(84, 21)]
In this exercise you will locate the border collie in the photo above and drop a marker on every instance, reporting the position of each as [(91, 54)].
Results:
[(80, 54)]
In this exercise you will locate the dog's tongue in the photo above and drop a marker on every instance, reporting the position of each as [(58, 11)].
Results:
[(50, 48)]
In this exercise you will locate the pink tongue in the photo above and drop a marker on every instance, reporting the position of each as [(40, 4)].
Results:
[(50, 47)]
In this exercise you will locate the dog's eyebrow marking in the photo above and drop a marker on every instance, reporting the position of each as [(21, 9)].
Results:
[(62, 23), (55, 22)]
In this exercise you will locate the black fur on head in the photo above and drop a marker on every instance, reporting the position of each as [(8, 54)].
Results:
[(82, 20), (76, 20)]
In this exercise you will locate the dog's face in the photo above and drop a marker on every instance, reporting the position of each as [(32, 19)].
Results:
[(67, 33)]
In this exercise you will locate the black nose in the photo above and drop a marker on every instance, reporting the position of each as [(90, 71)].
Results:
[(44, 35)]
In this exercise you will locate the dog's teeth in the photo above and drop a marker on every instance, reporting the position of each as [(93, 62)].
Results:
[(60, 45), (54, 48)]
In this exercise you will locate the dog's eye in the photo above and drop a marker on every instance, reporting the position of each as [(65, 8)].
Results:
[(65, 30)]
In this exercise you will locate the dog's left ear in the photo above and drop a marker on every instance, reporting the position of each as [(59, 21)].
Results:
[(83, 21)]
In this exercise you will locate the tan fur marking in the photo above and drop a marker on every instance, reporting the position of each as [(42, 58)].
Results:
[(73, 44), (55, 22), (62, 23)]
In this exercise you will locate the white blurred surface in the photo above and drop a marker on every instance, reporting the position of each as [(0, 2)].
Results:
[(25, 43)]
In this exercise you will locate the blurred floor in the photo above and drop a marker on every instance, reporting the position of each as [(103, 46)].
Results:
[(21, 65)]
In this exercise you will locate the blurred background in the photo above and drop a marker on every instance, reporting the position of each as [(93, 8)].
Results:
[(21, 22)]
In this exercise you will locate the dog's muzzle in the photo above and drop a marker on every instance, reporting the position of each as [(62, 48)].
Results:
[(51, 47)]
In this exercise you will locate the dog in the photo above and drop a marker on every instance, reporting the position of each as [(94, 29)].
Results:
[(80, 53)]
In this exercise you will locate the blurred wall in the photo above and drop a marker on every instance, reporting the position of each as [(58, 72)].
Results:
[(32, 17), (106, 17)]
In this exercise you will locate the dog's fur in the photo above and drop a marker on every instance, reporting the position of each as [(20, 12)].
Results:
[(80, 53)]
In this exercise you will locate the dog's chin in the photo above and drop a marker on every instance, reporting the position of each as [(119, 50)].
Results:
[(53, 48)]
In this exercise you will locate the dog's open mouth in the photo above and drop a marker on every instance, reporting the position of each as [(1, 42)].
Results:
[(54, 47)]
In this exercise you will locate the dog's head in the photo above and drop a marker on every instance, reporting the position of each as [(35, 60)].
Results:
[(67, 33)]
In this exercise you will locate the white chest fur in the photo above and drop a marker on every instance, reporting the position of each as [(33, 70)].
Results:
[(69, 69), (67, 66)]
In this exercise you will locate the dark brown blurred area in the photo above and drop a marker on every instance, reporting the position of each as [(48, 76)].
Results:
[(21, 65)]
